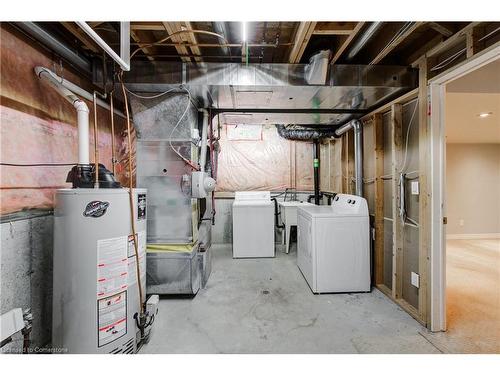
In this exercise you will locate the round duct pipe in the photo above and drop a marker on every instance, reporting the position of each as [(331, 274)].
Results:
[(299, 133)]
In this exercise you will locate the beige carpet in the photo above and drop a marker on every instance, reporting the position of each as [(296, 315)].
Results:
[(473, 298)]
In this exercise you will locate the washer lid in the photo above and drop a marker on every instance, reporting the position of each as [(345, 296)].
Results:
[(329, 211), (254, 203), (252, 195)]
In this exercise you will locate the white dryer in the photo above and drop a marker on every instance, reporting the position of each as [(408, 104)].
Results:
[(253, 225), (333, 245)]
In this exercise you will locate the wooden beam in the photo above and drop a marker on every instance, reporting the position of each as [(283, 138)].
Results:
[(332, 32), (334, 28), (191, 38), (452, 41), (424, 208), (395, 43), (378, 141), (348, 163), (469, 43), (95, 24), (347, 42), (147, 50), (336, 165), (397, 225), (172, 27), (148, 26), (302, 36), (443, 30), (81, 36), (421, 50), (400, 100)]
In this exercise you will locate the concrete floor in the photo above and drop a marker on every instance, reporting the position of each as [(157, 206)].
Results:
[(472, 297), (266, 306)]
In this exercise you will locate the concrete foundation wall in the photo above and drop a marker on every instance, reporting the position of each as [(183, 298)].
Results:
[(26, 272)]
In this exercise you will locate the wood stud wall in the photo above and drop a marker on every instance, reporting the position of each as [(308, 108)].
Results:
[(424, 202), (379, 197), (467, 37)]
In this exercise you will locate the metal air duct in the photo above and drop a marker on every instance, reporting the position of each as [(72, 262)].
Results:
[(358, 151), (55, 45)]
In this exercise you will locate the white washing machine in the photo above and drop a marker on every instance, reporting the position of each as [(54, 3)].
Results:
[(253, 225), (333, 245)]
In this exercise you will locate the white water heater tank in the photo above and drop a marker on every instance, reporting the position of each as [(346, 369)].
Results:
[(96, 293)]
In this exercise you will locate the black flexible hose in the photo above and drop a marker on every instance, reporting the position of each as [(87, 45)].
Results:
[(276, 214)]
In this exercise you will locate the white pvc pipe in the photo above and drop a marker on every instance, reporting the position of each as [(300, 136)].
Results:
[(77, 89), (81, 109), (203, 150), (90, 32), (83, 131)]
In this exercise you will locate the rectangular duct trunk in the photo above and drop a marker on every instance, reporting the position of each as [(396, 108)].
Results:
[(278, 87)]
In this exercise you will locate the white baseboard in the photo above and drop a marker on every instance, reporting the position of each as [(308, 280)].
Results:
[(473, 236)]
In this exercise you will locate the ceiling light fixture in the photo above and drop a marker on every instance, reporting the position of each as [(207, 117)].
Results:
[(485, 114), (243, 32)]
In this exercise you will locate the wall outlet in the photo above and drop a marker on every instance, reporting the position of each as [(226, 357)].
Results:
[(415, 188), (415, 280)]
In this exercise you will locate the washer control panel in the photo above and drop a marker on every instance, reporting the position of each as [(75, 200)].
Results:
[(350, 204)]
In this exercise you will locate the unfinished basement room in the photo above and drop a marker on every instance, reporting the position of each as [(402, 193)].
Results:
[(232, 183)]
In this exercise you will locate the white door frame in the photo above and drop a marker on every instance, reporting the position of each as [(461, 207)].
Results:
[(437, 91)]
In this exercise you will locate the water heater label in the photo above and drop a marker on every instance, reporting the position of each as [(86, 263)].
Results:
[(95, 209), (141, 206), (112, 266), (112, 318)]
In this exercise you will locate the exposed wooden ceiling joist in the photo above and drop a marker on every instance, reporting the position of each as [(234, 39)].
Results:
[(81, 36), (443, 30), (189, 38), (334, 28), (302, 36), (395, 43), (332, 32), (146, 50), (152, 26), (452, 40), (347, 42), (192, 40)]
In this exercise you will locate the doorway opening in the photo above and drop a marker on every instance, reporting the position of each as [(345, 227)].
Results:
[(471, 208)]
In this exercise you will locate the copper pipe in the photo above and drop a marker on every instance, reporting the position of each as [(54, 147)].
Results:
[(131, 196), (147, 45), (113, 159), (96, 144)]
